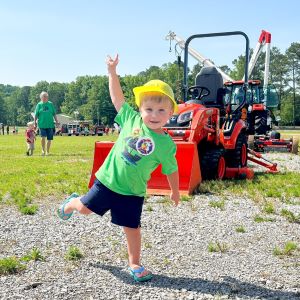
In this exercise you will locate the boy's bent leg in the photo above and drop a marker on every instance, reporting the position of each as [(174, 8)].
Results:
[(76, 204)]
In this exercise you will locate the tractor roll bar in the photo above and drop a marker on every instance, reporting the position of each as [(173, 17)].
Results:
[(186, 47)]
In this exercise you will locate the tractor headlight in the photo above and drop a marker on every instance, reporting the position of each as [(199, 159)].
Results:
[(185, 117)]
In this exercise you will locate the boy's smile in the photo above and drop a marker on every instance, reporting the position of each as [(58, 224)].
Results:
[(156, 114)]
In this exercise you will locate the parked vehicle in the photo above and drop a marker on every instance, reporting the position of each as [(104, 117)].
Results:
[(210, 136)]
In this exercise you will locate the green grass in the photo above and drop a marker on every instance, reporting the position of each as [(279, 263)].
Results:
[(290, 216), (284, 186), (10, 265), (240, 229), (73, 253), (217, 204), (25, 179), (289, 249), (260, 219), (34, 254), (217, 247)]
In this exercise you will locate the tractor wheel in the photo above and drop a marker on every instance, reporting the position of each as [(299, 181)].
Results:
[(260, 123), (238, 157), (213, 164), (295, 145)]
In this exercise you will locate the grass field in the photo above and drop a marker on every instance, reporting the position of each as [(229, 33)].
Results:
[(26, 180), (67, 169)]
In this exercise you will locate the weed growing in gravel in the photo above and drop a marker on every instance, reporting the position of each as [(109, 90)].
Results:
[(34, 254), (240, 229), (217, 247), (166, 261), (149, 208), (289, 249), (185, 198), (23, 202), (73, 253), (10, 265), (147, 245), (269, 208), (217, 204), (290, 216), (193, 206), (260, 219)]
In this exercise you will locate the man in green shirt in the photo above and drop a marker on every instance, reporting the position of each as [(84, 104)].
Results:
[(122, 179), (44, 117)]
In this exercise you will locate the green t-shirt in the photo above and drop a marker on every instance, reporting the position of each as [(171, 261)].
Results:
[(136, 153), (45, 113)]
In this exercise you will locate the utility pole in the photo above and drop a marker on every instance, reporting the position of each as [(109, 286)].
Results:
[(294, 94)]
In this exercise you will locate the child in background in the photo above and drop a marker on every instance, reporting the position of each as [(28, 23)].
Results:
[(30, 138), (121, 181)]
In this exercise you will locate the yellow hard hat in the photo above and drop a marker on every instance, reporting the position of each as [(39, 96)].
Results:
[(154, 86)]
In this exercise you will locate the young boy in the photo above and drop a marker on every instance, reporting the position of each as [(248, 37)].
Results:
[(121, 181), (30, 138)]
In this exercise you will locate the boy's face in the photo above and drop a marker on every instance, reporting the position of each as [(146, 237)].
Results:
[(155, 114)]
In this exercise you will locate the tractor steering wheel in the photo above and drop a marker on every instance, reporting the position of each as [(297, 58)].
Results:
[(198, 92)]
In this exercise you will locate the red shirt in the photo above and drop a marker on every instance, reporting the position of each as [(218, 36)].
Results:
[(30, 136)]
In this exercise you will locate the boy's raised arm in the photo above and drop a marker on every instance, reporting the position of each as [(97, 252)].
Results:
[(115, 90)]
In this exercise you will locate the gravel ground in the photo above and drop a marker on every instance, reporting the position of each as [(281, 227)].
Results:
[(175, 249)]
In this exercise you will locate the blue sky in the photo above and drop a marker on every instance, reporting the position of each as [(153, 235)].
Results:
[(59, 40)]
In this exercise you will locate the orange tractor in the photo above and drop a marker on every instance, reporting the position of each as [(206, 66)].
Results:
[(211, 137)]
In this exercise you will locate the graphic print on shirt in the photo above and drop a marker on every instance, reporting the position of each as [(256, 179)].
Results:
[(45, 108), (136, 147)]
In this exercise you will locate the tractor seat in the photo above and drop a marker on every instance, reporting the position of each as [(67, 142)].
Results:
[(210, 78)]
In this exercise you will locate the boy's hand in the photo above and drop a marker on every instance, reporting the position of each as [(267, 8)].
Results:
[(175, 197), (112, 63)]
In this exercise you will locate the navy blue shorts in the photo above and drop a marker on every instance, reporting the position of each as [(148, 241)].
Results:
[(125, 210), (47, 132)]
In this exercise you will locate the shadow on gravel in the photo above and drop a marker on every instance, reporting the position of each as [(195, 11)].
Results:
[(229, 285)]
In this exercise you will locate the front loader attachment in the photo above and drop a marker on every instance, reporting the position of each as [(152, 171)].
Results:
[(100, 153), (188, 168)]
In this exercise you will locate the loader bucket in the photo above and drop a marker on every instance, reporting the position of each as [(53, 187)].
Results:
[(101, 151), (188, 168)]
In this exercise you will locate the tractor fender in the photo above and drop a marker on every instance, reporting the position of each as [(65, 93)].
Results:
[(230, 132)]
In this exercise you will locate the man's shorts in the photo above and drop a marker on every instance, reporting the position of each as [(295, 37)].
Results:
[(125, 210), (47, 132)]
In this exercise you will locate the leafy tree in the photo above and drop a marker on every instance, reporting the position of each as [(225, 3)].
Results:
[(293, 60), (57, 93), (3, 118)]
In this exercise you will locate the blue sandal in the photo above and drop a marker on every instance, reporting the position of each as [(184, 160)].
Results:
[(135, 274), (61, 210)]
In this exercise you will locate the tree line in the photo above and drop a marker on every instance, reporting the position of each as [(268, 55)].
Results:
[(88, 96)]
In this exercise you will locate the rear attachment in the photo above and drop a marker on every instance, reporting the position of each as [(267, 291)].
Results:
[(260, 160)]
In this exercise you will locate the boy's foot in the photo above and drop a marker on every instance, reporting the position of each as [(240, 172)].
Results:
[(47, 153), (43, 153), (27, 152), (61, 210), (140, 274)]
